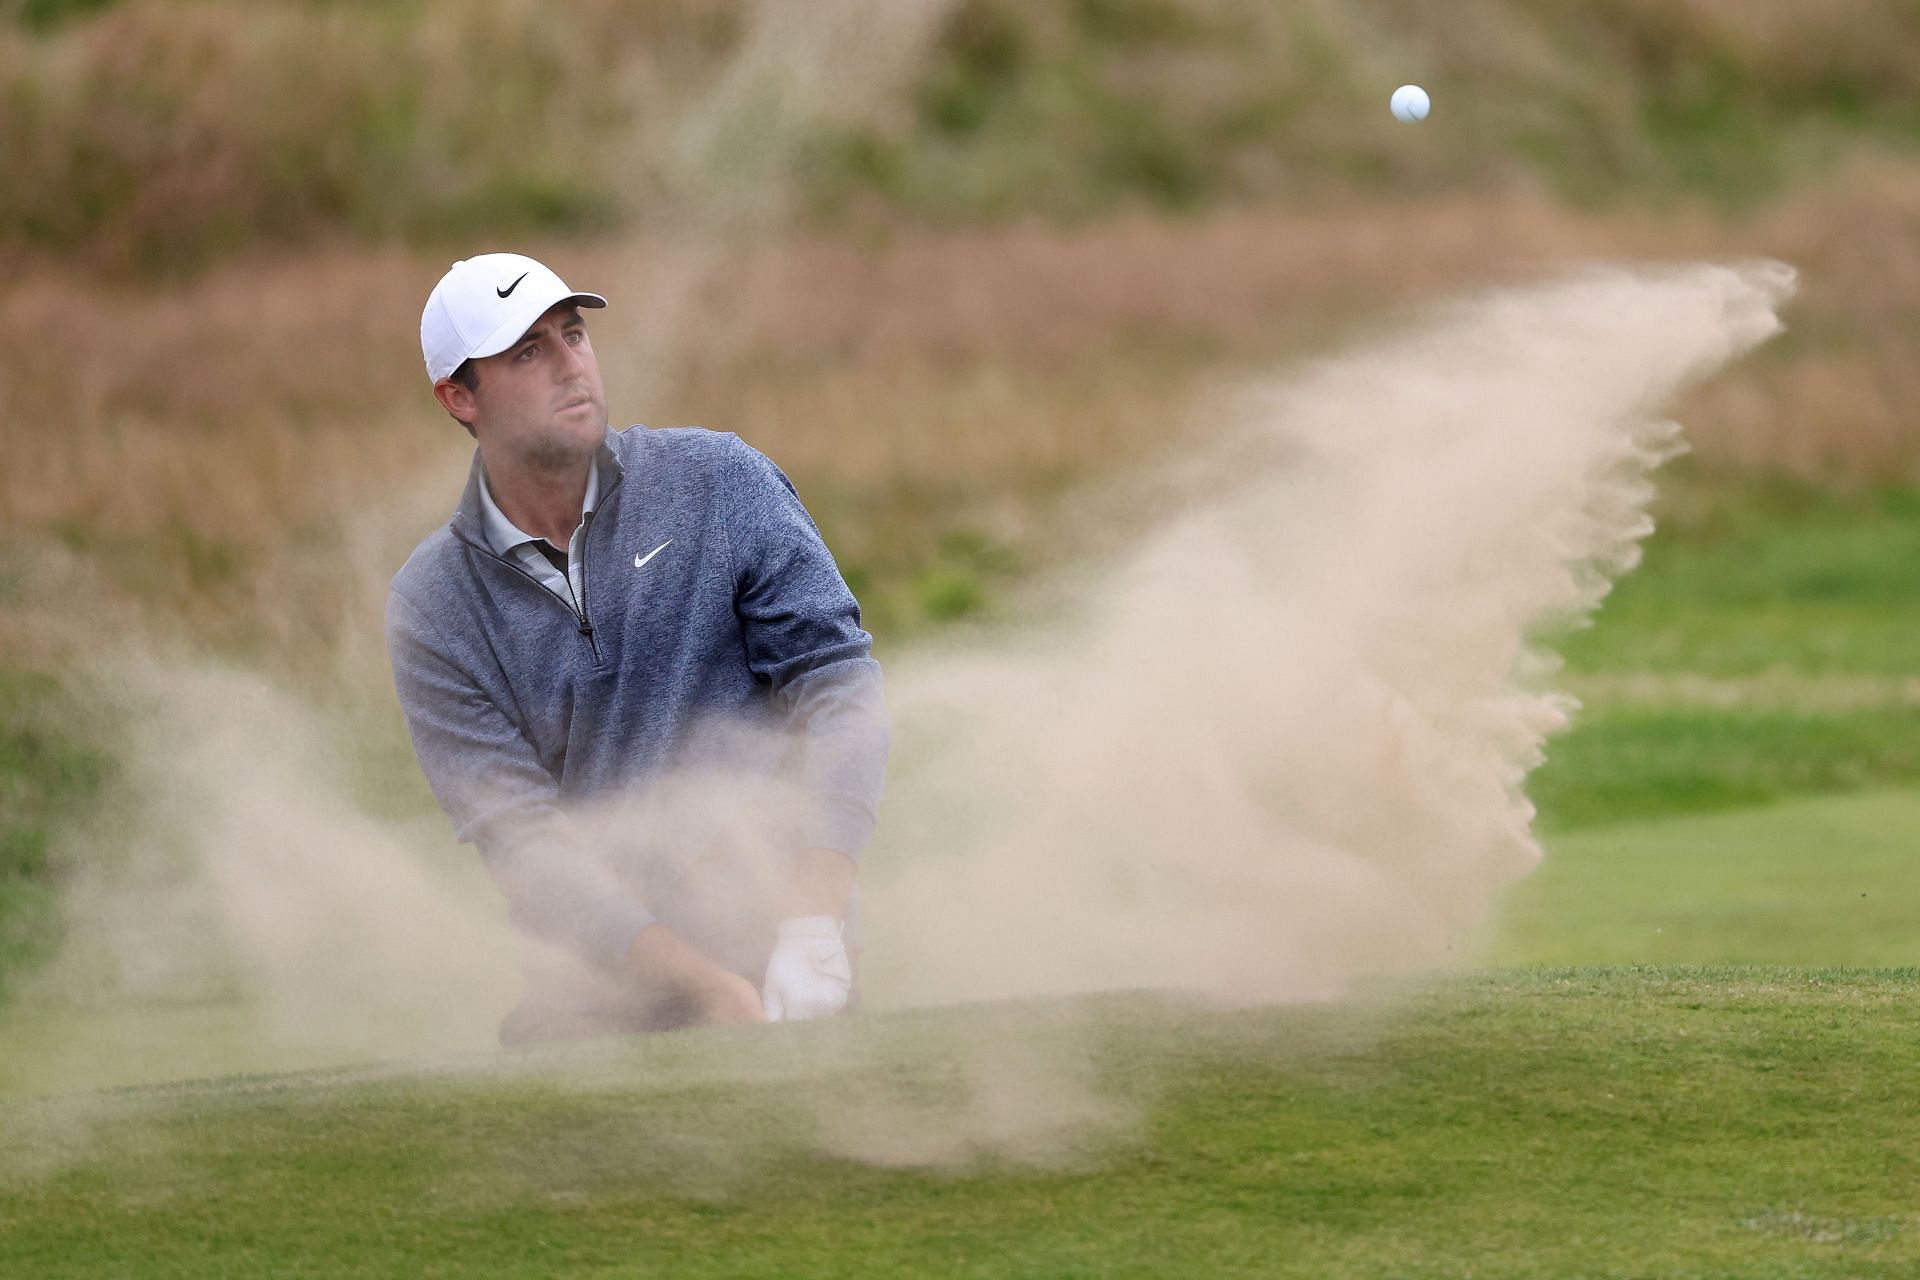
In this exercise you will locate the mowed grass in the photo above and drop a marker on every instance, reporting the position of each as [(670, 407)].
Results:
[(1749, 575), (1763, 651), (1831, 880), (1630, 1122), (1740, 796), (1743, 785), (1632, 763)]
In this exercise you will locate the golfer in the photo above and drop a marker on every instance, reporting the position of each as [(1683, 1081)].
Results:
[(633, 614)]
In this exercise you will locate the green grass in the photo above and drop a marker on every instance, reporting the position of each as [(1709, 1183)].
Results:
[(1738, 804), (1746, 576), (1779, 618), (1558, 1122), (43, 15), (1638, 762), (1757, 800), (1823, 881), (47, 775), (325, 119)]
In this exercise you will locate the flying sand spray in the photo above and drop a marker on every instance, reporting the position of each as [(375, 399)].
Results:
[(1283, 742), (1277, 745)]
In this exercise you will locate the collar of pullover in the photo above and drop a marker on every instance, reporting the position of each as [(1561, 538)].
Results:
[(503, 535), (479, 519)]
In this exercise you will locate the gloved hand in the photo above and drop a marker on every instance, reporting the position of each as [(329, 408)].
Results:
[(808, 976)]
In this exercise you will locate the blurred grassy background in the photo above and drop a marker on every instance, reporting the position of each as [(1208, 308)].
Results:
[(159, 135), (1018, 271)]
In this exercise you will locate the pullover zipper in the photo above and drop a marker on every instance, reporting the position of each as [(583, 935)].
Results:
[(579, 616), (586, 627)]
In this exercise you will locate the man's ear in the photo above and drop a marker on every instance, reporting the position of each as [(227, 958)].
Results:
[(457, 401)]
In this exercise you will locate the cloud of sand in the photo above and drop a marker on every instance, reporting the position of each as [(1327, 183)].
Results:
[(1283, 741), (1277, 745), (1281, 744), (241, 861)]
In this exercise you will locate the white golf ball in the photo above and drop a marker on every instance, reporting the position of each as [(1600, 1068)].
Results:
[(1410, 103)]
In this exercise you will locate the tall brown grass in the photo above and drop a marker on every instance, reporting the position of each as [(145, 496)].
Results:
[(193, 443), (162, 136)]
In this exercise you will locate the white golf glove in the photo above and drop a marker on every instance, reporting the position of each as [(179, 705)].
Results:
[(808, 976)]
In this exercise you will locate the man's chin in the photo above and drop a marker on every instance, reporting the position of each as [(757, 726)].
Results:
[(586, 423), (564, 447)]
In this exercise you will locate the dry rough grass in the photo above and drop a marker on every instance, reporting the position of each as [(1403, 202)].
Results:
[(226, 425), (160, 136)]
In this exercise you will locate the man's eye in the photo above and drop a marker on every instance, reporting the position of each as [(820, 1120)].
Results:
[(527, 351)]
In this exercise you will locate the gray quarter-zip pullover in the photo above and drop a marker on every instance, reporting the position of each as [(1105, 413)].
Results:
[(707, 598)]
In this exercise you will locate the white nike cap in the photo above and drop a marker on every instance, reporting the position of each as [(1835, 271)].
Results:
[(483, 305)]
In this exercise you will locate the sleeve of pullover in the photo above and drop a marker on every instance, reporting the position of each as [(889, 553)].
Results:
[(803, 636), (489, 780)]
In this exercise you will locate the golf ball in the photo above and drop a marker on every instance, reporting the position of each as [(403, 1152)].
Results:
[(1410, 103)]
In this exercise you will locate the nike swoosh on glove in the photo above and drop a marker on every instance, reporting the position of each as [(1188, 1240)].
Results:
[(808, 976)]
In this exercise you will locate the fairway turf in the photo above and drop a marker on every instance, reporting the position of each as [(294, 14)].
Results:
[(1630, 1122), (1746, 576), (1738, 788), (1831, 880), (1632, 763)]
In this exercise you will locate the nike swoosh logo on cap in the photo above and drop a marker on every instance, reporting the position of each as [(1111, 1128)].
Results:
[(515, 285), (639, 560)]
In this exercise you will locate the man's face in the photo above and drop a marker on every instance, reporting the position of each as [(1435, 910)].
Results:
[(539, 402)]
